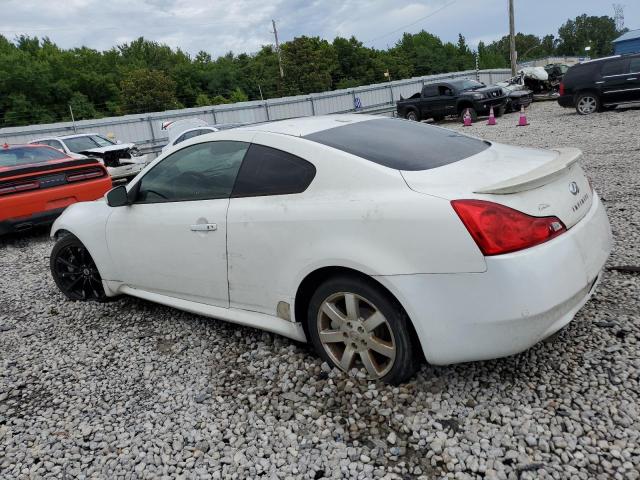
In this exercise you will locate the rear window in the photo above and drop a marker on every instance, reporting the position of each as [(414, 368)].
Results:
[(15, 157), (400, 144), (614, 67)]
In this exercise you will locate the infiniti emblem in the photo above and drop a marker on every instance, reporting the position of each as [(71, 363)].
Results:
[(573, 188)]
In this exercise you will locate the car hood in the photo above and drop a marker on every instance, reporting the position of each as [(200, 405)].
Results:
[(111, 148)]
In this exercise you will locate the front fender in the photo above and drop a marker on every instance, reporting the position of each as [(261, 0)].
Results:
[(87, 221)]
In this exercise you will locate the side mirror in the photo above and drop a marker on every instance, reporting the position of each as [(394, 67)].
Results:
[(118, 197)]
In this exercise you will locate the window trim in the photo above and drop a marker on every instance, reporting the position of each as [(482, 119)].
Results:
[(315, 172), (135, 188)]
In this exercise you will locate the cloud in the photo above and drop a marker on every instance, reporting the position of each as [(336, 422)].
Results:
[(219, 26)]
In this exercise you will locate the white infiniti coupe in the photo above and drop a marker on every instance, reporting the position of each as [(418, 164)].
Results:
[(374, 238)]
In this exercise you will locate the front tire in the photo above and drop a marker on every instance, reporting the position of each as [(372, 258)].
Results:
[(354, 323), (587, 103), (472, 112), (74, 271)]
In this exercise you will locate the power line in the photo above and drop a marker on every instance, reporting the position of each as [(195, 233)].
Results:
[(412, 23)]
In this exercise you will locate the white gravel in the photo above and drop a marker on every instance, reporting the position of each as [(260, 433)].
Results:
[(131, 389)]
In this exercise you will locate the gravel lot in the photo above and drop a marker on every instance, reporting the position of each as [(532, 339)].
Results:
[(136, 390)]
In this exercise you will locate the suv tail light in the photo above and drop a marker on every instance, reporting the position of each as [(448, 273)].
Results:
[(19, 187), (497, 229), (561, 89)]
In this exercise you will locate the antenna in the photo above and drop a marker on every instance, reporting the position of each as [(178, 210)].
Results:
[(618, 10)]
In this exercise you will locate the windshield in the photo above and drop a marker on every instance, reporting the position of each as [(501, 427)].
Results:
[(14, 157), (87, 142), (468, 84)]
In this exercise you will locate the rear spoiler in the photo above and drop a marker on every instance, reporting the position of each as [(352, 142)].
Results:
[(43, 167), (538, 176)]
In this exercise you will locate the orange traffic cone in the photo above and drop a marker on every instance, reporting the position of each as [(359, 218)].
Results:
[(492, 117), (522, 122), (467, 119)]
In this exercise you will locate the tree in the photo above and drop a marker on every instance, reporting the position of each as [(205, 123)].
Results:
[(587, 31), (82, 107), (144, 90), (309, 64)]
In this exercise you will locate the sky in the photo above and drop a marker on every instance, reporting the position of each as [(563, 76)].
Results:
[(218, 26)]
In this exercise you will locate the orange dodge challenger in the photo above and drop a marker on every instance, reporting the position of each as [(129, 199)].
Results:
[(38, 182)]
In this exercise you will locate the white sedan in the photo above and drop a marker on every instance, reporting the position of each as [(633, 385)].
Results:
[(376, 239), (123, 160)]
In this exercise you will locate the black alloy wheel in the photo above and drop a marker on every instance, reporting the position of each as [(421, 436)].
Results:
[(74, 271)]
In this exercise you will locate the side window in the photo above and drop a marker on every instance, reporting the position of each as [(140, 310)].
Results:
[(444, 90), (634, 65), (430, 91), (56, 144), (204, 171), (614, 67), (267, 171)]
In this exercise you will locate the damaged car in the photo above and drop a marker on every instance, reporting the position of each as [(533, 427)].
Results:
[(122, 160), (517, 94)]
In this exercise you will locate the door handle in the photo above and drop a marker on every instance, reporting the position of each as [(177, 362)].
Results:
[(204, 227)]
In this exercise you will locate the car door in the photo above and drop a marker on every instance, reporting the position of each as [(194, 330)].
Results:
[(446, 104), (266, 201), (614, 83), (172, 238), (633, 80)]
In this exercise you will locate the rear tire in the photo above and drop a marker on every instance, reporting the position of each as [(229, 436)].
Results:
[(412, 115), (498, 112), (74, 271), (354, 323), (587, 103)]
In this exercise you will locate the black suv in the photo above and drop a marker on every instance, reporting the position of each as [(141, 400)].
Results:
[(438, 100), (601, 84)]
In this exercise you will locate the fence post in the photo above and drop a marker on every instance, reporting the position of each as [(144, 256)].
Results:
[(313, 107), (153, 135), (266, 110), (391, 92), (215, 120)]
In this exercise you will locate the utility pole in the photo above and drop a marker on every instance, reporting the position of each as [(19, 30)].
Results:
[(512, 39), (73, 120), (275, 33)]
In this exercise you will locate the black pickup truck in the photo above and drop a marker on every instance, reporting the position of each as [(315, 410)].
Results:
[(454, 97)]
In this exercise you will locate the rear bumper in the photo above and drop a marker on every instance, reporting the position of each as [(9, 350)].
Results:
[(25, 223), (21, 210), (566, 101), (522, 298)]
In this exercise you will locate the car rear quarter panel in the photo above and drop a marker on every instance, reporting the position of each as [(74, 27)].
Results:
[(355, 214)]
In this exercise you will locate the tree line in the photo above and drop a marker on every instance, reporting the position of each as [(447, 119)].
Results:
[(42, 83)]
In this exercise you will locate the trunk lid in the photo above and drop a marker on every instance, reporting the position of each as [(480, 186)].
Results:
[(537, 182)]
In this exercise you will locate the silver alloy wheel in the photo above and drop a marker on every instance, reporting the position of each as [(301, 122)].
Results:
[(353, 332), (587, 105), (411, 115)]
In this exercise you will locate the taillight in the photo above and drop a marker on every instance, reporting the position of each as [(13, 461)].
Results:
[(561, 89), (497, 229), (76, 177), (19, 187)]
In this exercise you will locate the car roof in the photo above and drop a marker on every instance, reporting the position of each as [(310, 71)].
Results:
[(302, 126), (64, 137)]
